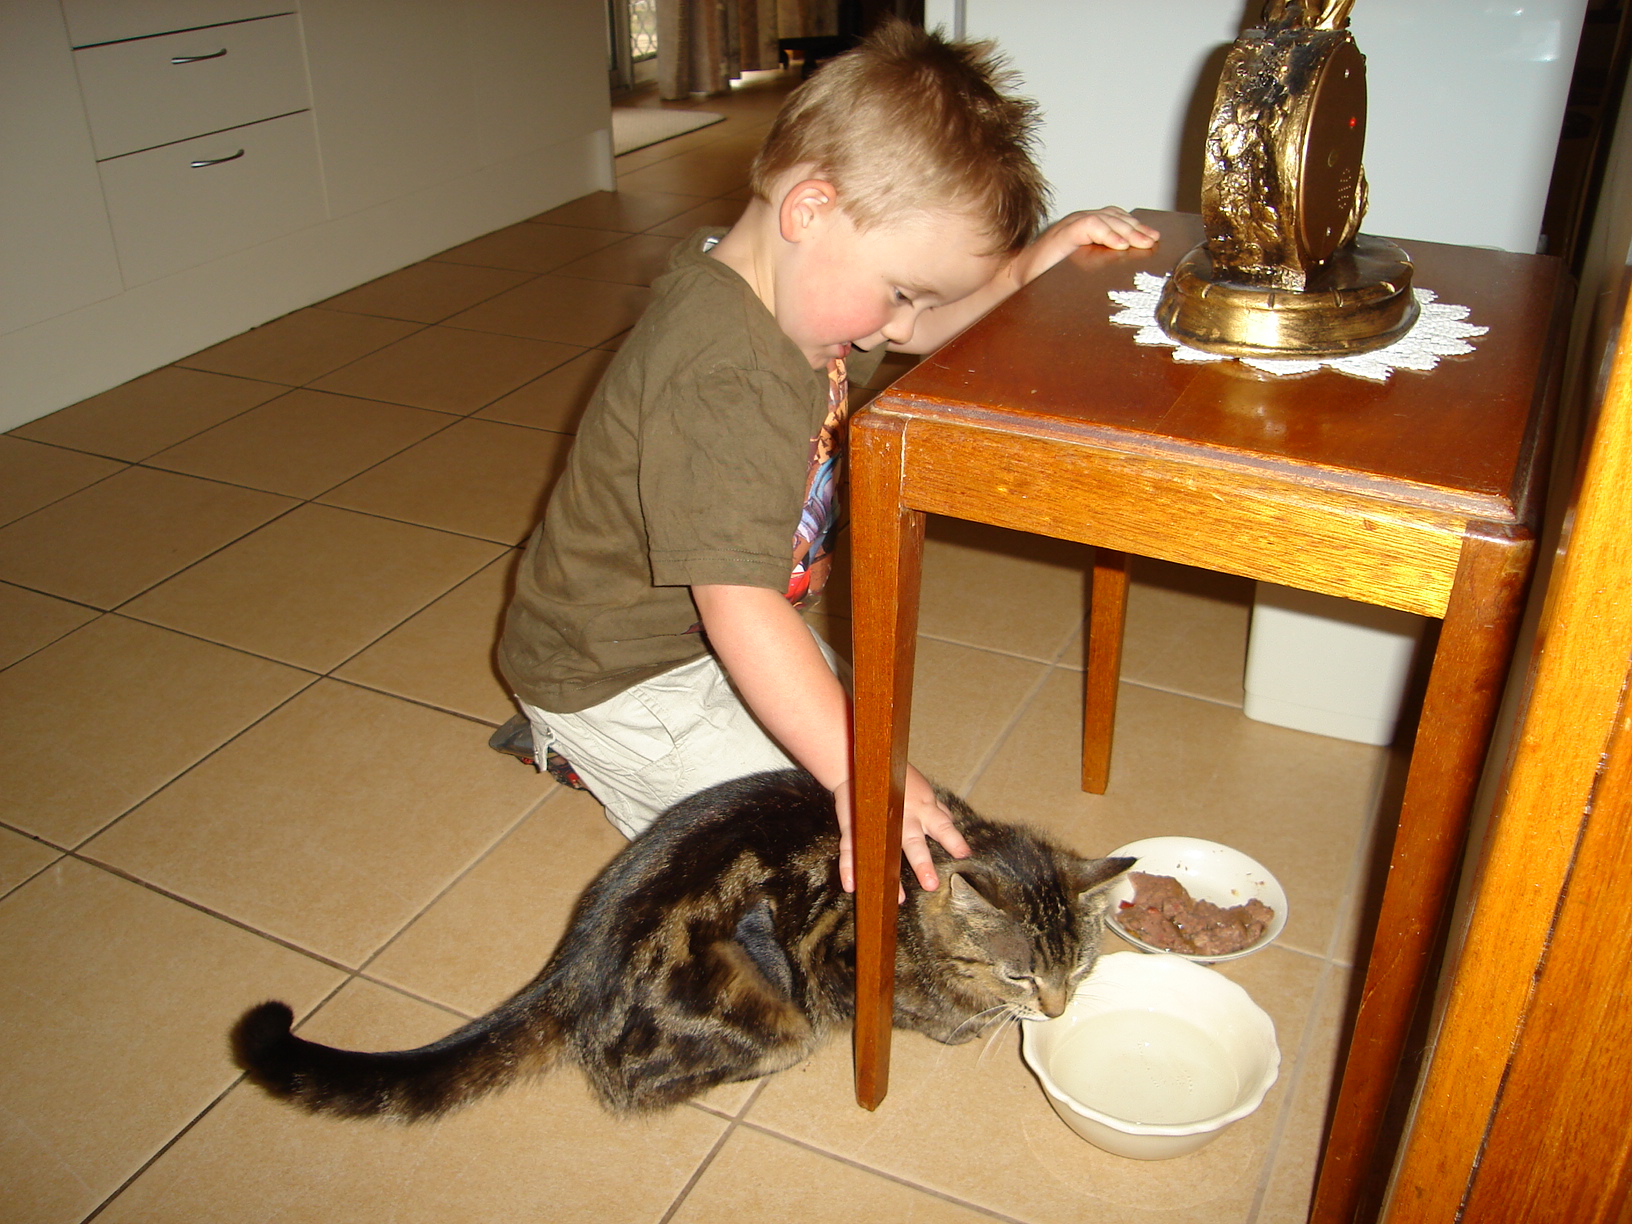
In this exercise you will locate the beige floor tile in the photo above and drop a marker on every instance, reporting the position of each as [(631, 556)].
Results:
[(34, 475), (98, 721), (444, 655), (1298, 803), (301, 346), (636, 260), (113, 1036), (971, 1122), (30, 621), (531, 246), (448, 369), (556, 400), (301, 443), (1002, 590), (699, 173), (314, 587), (962, 700), (1187, 630), (331, 822), (147, 414), (426, 292), (115, 539), (21, 857), (757, 1176), (541, 1151), (563, 309), (1291, 1183), (721, 213), (477, 478), (629, 212)]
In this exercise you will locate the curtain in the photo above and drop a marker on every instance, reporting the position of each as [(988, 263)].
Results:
[(704, 45)]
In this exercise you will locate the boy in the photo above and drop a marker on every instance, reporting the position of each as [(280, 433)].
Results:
[(654, 639)]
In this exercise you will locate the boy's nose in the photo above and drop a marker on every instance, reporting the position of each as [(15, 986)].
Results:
[(899, 329)]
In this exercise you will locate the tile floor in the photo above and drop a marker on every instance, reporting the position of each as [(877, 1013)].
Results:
[(247, 606)]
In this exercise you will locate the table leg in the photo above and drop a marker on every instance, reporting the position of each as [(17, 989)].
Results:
[(1107, 611), (1459, 711), (888, 544)]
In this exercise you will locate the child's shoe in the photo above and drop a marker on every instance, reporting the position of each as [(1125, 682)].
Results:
[(515, 739)]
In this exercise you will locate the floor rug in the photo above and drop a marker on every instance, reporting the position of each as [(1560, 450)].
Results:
[(635, 127)]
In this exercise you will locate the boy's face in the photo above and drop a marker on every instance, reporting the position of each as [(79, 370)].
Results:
[(842, 286)]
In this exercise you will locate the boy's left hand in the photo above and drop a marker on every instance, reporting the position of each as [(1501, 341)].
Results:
[(1111, 227), (1108, 227)]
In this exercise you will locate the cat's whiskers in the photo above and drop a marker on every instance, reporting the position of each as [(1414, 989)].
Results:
[(978, 1019)]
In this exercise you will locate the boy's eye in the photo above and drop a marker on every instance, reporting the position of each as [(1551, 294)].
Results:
[(902, 298)]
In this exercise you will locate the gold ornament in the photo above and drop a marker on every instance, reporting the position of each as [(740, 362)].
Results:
[(1284, 270)]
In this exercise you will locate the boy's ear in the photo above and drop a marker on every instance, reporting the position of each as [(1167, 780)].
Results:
[(805, 207)]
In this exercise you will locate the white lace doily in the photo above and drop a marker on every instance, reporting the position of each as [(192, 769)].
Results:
[(1438, 332)]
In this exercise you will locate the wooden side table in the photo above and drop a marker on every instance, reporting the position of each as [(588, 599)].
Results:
[(1415, 494)]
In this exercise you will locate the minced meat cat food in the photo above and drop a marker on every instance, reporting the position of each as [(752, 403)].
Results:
[(1165, 916)]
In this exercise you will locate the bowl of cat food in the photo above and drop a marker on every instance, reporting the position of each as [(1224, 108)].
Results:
[(1154, 1056), (1195, 899)]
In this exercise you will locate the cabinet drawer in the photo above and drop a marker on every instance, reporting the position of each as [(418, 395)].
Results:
[(100, 21), (150, 91), (168, 214)]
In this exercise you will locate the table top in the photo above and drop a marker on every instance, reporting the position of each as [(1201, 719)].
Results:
[(1461, 438)]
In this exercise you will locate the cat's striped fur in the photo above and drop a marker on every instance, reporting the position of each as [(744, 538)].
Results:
[(719, 946)]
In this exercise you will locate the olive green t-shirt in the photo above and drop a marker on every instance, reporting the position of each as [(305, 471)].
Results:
[(690, 466)]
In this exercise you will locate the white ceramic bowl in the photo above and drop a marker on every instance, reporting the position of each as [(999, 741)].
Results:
[(1209, 872), (1154, 1056)]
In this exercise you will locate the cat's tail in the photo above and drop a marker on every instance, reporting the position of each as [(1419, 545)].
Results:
[(404, 1085)]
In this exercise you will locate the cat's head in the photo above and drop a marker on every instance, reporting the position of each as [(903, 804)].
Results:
[(1020, 932)]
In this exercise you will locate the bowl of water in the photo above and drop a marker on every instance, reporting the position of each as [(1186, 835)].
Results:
[(1154, 1056)]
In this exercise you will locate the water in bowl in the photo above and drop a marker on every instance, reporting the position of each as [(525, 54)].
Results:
[(1145, 1067)]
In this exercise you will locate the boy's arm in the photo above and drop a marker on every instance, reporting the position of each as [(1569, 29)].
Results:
[(1109, 227), (768, 652)]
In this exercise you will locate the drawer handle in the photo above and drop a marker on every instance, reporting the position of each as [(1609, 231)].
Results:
[(216, 161), (193, 59)]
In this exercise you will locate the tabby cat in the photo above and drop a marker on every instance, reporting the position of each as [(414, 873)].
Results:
[(718, 946)]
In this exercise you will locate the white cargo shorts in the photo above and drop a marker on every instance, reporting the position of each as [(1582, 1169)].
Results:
[(668, 737)]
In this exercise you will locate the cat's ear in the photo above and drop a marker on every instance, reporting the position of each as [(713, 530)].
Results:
[(1091, 875), (966, 897)]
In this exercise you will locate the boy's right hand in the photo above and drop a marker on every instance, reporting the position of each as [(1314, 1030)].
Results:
[(922, 816)]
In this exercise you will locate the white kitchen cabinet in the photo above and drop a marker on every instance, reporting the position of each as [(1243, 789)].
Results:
[(105, 21), (145, 92), (56, 247), (187, 203), (394, 98), (179, 171)]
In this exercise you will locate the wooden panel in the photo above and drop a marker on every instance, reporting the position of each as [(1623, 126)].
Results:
[(1219, 519), (1580, 668)]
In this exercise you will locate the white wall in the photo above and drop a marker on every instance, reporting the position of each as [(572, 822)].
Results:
[(1466, 98)]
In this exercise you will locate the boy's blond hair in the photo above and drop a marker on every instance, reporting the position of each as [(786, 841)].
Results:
[(908, 122)]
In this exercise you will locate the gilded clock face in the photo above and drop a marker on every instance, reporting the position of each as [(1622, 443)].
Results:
[(1334, 143)]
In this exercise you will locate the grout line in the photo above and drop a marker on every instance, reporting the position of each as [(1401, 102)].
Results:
[(877, 1172), (171, 781), (1002, 737), (120, 872), (164, 1148), (697, 1173), (459, 877)]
